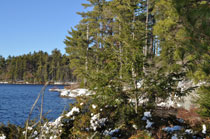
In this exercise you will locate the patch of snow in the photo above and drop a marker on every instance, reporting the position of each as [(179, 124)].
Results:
[(180, 120), (141, 100), (149, 124), (94, 106), (179, 105), (111, 132), (204, 129), (81, 92), (74, 93), (189, 131), (2, 136), (145, 118), (168, 103), (35, 133), (57, 122), (64, 93), (30, 128), (140, 83), (135, 126), (201, 83), (147, 114), (172, 129), (174, 136), (4, 82), (93, 121), (74, 109), (96, 122)]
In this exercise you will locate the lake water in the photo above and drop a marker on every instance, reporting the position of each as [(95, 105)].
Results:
[(17, 100)]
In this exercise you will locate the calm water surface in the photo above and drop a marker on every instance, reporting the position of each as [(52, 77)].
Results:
[(17, 100)]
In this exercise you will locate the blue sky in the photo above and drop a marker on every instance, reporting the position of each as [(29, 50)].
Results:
[(33, 25)]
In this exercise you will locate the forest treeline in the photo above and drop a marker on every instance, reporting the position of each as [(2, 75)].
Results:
[(37, 67)]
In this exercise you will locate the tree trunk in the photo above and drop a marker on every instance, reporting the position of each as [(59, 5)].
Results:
[(86, 60), (147, 21)]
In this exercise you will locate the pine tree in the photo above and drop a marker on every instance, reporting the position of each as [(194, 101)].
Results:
[(2, 67), (195, 18)]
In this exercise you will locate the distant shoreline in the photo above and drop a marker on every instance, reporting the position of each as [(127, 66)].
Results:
[(27, 83)]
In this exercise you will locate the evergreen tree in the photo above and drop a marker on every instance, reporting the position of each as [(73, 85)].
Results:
[(2, 67), (36, 68), (195, 18)]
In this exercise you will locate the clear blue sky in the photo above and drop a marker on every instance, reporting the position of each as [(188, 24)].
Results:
[(33, 25)]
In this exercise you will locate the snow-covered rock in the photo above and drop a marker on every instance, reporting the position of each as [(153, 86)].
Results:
[(64, 93), (74, 93)]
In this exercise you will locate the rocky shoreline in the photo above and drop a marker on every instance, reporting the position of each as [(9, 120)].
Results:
[(71, 93)]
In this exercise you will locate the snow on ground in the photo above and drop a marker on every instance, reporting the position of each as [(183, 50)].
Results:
[(185, 102), (189, 131), (111, 132), (54, 128), (204, 129), (57, 122), (146, 117), (74, 93), (174, 136), (73, 110), (64, 93), (149, 124), (147, 114), (94, 106), (4, 82), (172, 129), (168, 103), (2, 136), (96, 122)]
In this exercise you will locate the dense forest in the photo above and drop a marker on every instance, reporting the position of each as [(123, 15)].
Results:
[(131, 51), (37, 67), (156, 43)]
